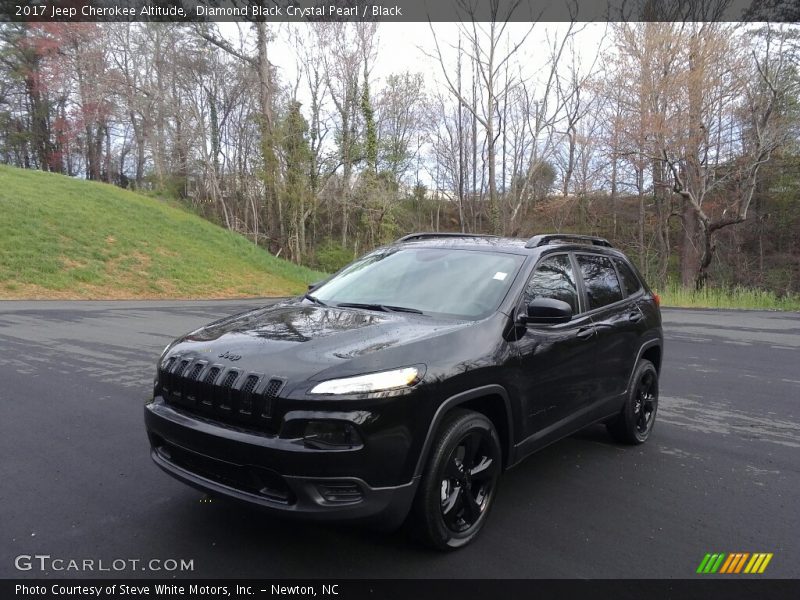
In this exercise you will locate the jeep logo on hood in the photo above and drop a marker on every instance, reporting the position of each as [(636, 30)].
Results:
[(230, 356)]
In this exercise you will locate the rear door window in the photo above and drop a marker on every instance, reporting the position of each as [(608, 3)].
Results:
[(600, 280)]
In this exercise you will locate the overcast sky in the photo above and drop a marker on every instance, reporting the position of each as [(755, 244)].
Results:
[(407, 46)]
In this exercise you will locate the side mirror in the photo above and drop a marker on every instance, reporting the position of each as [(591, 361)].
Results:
[(313, 286), (547, 311)]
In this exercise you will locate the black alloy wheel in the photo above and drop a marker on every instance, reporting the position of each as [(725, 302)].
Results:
[(459, 485), (635, 423), (645, 404), (468, 481)]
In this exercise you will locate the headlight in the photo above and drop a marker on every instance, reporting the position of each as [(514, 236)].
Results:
[(374, 382)]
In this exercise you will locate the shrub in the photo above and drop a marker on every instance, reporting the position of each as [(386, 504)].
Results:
[(331, 256)]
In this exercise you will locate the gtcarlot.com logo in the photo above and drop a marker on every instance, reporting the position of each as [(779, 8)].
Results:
[(46, 562), (734, 563)]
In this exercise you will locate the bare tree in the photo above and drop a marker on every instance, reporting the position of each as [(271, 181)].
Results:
[(701, 163), (539, 111), (347, 49), (401, 110), (489, 56), (259, 60)]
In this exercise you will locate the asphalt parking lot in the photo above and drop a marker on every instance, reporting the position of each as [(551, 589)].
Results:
[(720, 474)]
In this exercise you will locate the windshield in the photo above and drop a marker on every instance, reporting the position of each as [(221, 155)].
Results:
[(462, 283)]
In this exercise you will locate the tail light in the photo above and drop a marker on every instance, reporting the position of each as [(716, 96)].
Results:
[(657, 298)]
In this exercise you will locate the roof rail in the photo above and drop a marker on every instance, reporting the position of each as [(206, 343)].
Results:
[(424, 235), (546, 238)]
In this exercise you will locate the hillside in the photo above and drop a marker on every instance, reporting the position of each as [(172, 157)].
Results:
[(66, 238)]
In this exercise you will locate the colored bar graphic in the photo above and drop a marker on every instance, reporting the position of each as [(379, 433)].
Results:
[(703, 563), (741, 562), (737, 557), (722, 563), (718, 563), (728, 563), (710, 563), (754, 563), (765, 563)]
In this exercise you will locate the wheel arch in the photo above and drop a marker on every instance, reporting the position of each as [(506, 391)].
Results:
[(650, 350), (489, 400), (653, 354)]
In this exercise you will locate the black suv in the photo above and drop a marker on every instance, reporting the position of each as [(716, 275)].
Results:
[(410, 379)]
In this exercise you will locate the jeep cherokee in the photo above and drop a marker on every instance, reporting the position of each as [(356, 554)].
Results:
[(405, 383)]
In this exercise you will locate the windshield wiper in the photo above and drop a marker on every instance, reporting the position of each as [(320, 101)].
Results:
[(404, 309), (381, 307), (314, 299)]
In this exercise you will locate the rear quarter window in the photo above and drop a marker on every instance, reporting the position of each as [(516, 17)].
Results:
[(630, 282)]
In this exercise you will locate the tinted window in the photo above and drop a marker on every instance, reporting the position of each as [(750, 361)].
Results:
[(462, 283), (600, 279), (553, 278), (629, 280)]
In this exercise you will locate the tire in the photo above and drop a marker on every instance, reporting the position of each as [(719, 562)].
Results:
[(459, 484), (635, 423)]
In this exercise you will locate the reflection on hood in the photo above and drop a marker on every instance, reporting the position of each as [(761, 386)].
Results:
[(295, 323)]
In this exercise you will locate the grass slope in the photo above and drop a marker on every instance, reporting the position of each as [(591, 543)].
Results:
[(65, 238)]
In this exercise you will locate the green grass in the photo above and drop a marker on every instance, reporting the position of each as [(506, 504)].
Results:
[(738, 297), (66, 238)]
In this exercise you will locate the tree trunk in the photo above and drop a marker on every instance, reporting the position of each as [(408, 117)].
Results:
[(267, 152), (689, 256)]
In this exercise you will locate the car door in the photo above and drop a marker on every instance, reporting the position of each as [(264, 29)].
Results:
[(556, 361), (614, 318), (636, 326)]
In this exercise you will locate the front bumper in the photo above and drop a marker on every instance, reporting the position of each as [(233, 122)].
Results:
[(275, 474)]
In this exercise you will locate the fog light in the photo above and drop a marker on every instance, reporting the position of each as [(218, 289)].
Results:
[(326, 435)]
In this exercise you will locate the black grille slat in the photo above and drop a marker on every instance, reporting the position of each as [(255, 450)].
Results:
[(208, 396), (229, 379), (177, 379), (273, 387), (165, 377), (214, 392), (191, 386), (227, 396), (195, 371), (246, 395), (180, 368), (249, 384), (211, 377), (268, 397)]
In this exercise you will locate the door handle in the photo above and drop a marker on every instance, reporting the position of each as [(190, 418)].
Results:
[(635, 316), (585, 333)]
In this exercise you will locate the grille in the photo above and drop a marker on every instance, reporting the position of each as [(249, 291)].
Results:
[(195, 371), (227, 396), (181, 367), (229, 379), (251, 382), (246, 393), (227, 399), (273, 387), (212, 375)]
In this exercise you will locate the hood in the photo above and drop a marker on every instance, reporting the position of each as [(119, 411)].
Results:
[(298, 341)]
